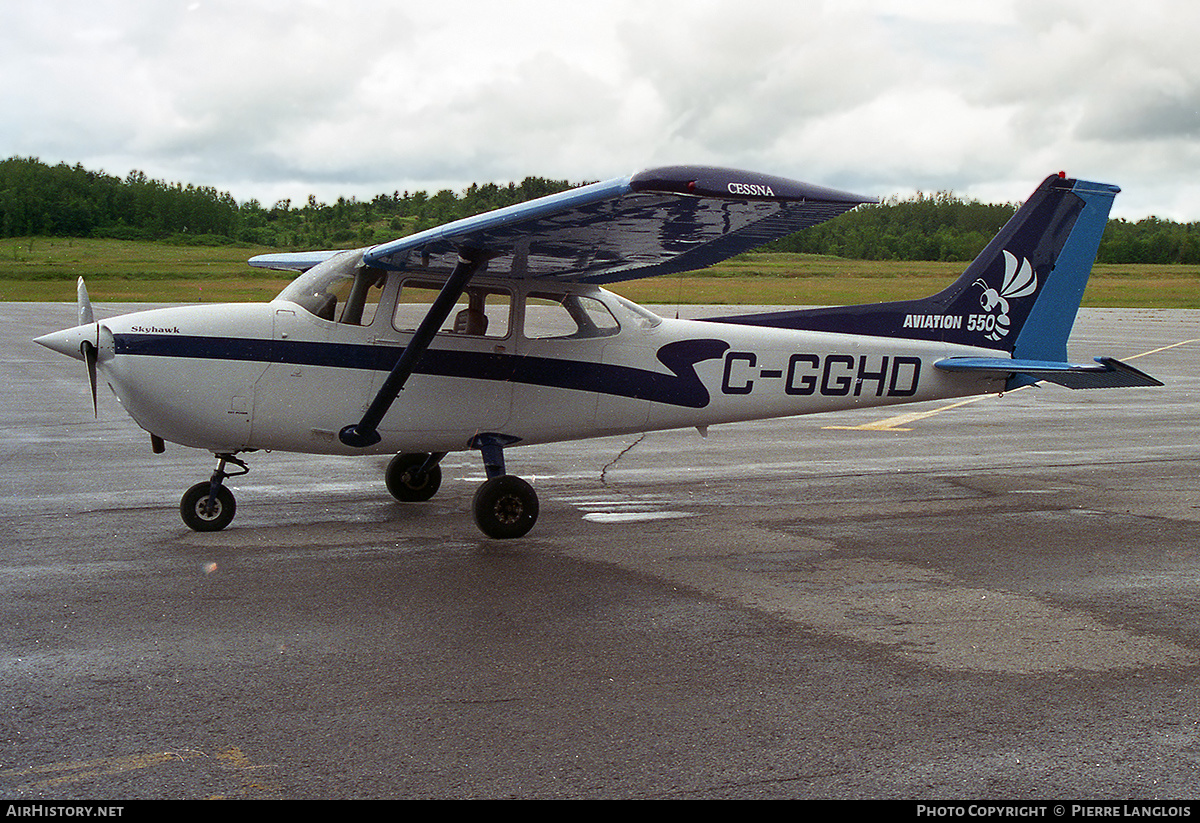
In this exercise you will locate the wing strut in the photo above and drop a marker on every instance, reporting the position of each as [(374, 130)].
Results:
[(364, 433)]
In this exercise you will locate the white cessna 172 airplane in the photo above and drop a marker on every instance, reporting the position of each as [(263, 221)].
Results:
[(493, 331)]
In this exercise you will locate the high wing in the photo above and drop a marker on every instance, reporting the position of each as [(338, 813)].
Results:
[(659, 221)]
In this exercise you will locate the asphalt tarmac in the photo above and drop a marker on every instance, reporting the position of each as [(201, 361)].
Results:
[(996, 598)]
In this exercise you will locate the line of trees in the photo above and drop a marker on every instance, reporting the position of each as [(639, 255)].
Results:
[(70, 201), (37, 199), (925, 227), (944, 227)]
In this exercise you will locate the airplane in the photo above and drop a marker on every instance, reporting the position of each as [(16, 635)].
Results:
[(495, 331)]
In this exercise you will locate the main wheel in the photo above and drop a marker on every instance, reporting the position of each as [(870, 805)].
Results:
[(406, 484), (505, 507), (194, 509)]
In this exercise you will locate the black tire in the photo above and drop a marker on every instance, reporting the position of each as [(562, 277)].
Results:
[(505, 507), (405, 485), (193, 508)]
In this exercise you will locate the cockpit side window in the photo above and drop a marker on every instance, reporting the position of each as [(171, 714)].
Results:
[(362, 299), (549, 315), (481, 311)]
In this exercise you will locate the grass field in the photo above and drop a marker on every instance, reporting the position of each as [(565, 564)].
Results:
[(44, 269)]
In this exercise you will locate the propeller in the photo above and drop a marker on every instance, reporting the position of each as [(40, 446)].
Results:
[(89, 355), (87, 347), (85, 304), (81, 342)]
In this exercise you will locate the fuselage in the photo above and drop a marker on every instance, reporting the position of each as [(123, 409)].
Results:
[(536, 364)]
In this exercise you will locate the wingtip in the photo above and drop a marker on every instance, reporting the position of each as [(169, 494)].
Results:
[(737, 184)]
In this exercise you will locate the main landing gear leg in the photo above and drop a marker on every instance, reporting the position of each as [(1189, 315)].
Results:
[(209, 506), (505, 506)]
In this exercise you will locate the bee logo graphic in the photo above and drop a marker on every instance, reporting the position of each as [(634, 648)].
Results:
[(1019, 281)]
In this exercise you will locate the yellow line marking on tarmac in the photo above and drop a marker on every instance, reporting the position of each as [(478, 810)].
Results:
[(69, 771), (898, 422), (50, 775), (1164, 348)]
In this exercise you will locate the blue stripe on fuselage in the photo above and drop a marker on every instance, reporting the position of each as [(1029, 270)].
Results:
[(682, 387)]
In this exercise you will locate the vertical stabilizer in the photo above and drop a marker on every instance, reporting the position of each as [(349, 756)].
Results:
[(1048, 323)]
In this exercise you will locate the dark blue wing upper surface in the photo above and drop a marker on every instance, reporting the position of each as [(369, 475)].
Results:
[(660, 221)]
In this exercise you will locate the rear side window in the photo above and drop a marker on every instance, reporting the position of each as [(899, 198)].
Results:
[(550, 316)]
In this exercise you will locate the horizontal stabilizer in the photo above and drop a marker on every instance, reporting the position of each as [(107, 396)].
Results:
[(1106, 373)]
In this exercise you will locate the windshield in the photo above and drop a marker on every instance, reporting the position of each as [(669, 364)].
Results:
[(341, 282), (645, 318)]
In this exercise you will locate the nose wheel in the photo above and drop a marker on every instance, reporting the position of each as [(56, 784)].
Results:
[(209, 506)]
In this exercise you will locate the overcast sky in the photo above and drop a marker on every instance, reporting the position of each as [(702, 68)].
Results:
[(271, 99)]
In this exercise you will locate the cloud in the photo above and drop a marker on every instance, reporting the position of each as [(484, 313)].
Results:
[(268, 99)]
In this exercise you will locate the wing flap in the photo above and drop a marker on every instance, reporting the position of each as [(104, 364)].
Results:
[(1106, 373)]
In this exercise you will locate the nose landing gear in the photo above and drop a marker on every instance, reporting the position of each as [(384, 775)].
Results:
[(209, 506)]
